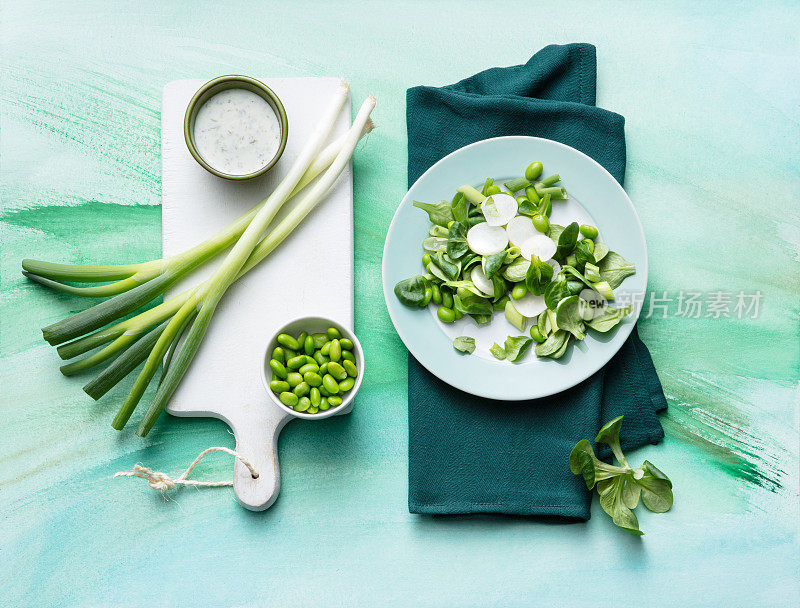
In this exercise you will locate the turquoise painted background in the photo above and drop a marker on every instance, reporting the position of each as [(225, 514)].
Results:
[(710, 98)]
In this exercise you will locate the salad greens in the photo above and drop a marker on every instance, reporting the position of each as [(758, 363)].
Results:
[(464, 344), (614, 269), (440, 215), (498, 351), (490, 250), (516, 347), (620, 486)]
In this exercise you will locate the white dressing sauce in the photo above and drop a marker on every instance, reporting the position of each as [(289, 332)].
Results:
[(237, 132)]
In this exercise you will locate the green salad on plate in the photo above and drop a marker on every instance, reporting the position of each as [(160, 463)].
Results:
[(494, 250)]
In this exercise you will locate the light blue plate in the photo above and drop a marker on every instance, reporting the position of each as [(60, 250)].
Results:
[(595, 197)]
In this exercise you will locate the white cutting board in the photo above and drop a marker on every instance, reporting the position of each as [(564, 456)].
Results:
[(311, 273)]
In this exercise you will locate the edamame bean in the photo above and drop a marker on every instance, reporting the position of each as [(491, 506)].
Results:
[(436, 298), (334, 401), (323, 369), (590, 244), (519, 291), (326, 349), (287, 341), (446, 315), (289, 353), (493, 189), (324, 405), (330, 384), (278, 369), (346, 344), (296, 362), (347, 355), (308, 367), (294, 379), (346, 384), (320, 358), (426, 259), (312, 410), (533, 171), (279, 386), (324, 391), (301, 339), (536, 334), (532, 195), (590, 232), (335, 351), (315, 396), (302, 389), (279, 355), (522, 199), (333, 333), (308, 346), (289, 399), (319, 339), (571, 260), (337, 371), (426, 298), (541, 223), (350, 368), (312, 378), (447, 299), (303, 404)]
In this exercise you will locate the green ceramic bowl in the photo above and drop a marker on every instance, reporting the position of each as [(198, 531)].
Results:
[(223, 83)]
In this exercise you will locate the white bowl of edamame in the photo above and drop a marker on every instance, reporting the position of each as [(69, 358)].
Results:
[(312, 368)]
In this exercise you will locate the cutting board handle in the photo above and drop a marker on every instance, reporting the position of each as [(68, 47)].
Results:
[(257, 441)]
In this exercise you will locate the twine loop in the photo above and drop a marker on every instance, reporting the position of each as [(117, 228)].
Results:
[(161, 481)]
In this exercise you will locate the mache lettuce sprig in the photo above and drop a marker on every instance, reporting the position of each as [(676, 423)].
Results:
[(620, 486)]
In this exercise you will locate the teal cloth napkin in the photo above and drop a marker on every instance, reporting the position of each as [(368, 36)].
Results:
[(472, 455)]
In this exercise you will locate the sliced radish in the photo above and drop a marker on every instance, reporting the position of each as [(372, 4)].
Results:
[(484, 239), (530, 305), (519, 230), (540, 245), (481, 282), (556, 267), (499, 209)]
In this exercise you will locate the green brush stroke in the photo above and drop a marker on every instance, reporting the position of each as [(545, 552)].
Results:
[(725, 424)]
